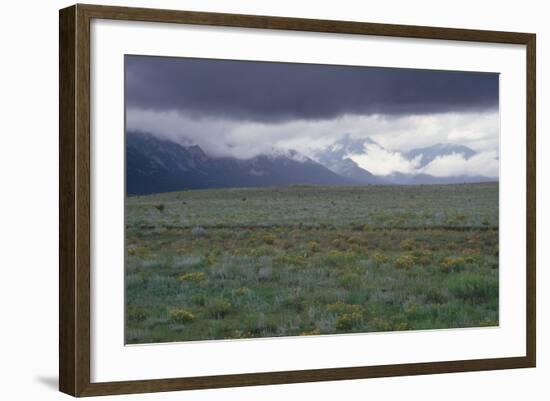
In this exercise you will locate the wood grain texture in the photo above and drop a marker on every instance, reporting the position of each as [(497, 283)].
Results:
[(301, 24), (302, 376), (67, 131), (82, 193), (74, 199), (74, 206), (531, 201)]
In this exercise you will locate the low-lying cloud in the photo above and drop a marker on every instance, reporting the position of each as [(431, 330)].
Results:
[(395, 134), (245, 108), (482, 164), (380, 161)]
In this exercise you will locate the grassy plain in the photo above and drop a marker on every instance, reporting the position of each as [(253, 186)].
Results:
[(306, 260)]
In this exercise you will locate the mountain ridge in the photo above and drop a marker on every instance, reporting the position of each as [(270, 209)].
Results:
[(160, 165), (345, 148)]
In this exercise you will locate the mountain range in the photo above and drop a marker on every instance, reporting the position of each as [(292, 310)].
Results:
[(156, 165)]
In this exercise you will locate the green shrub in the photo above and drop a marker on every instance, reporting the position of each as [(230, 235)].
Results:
[(349, 280), (395, 323), (269, 238), (422, 257), (199, 299), (136, 250), (355, 240), (367, 227), (473, 287), (290, 260), (339, 243), (136, 314), (379, 324), (343, 308), (258, 324), (380, 258), (404, 262), (460, 217), (407, 245), (195, 277), (294, 299), (179, 315), (313, 246), (433, 295), (348, 321), (218, 308), (339, 259), (453, 264), (241, 291)]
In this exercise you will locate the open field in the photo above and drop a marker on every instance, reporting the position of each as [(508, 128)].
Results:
[(303, 260)]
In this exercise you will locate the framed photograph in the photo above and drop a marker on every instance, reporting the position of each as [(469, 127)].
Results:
[(250, 200)]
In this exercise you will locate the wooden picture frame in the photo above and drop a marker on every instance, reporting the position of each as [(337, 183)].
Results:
[(74, 200)]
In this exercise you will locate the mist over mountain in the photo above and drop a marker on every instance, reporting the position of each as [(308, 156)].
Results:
[(410, 166), (430, 153), (156, 165), (160, 165), (336, 158), (215, 123)]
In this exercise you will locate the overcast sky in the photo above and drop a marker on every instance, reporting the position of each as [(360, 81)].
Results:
[(243, 108)]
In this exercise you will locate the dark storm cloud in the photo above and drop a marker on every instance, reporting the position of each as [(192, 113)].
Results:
[(268, 92)]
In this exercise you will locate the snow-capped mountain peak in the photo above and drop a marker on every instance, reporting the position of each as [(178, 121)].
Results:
[(337, 157)]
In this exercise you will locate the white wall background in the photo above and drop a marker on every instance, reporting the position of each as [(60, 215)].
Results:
[(28, 201)]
